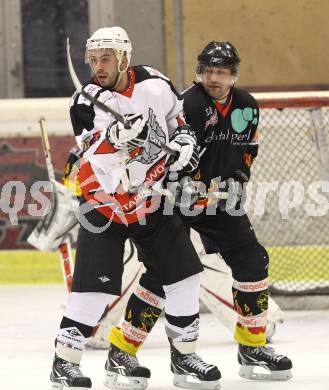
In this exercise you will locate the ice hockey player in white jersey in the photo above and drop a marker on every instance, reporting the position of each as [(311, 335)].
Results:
[(120, 160)]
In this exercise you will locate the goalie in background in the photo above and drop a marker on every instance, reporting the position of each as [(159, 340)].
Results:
[(58, 231), (225, 119), (59, 224)]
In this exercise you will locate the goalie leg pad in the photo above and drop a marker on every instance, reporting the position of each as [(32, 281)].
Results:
[(59, 224)]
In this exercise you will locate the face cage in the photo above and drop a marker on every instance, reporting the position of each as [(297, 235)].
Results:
[(119, 54), (200, 68)]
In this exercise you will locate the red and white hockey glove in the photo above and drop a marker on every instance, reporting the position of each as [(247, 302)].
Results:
[(184, 142)]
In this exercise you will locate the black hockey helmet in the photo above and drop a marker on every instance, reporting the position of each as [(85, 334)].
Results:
[(221, 54)]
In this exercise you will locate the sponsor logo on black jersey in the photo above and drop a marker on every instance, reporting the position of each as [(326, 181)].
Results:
[(208, 111), (241, 119)]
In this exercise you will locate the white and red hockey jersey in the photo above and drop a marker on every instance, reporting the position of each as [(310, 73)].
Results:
[(103, 167)]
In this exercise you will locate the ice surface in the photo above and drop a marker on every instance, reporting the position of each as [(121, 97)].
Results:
[(29, 317)]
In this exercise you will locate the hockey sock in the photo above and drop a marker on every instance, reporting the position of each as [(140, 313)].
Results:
[(183, 332), (182, 313), (71, 340), (251, 304), (142, 312)]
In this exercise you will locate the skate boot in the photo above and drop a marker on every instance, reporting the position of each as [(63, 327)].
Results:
[(251, 358), (188, 366), (68, 374), (124, 372)]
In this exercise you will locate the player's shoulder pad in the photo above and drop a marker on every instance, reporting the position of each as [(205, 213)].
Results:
[(193, 89), (145, 72), (244, 97), (194, 97)]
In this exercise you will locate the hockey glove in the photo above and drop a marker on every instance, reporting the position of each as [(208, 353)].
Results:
[(234, 187), (133, 137), (184, 142), (184, 191)]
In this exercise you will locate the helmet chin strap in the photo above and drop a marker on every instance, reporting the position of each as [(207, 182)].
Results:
[(119, 55), (120, 72), (116, 82)]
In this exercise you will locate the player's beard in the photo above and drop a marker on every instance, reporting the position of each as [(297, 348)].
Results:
[(107, 80), (217, 91)]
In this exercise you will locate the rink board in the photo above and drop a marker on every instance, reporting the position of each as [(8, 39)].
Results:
[(30, 267)]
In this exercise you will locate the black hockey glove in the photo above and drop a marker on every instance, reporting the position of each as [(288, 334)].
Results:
[(234, 188), (122, 138), (184, 142)]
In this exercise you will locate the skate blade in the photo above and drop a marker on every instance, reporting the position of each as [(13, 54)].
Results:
[(98, 344), (248, 372), (60, 386), (56, 386), (116, 381), (182, 381)]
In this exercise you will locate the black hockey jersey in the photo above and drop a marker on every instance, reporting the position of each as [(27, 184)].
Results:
[(227, 134)]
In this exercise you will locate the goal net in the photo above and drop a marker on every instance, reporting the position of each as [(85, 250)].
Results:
[(289, 190)]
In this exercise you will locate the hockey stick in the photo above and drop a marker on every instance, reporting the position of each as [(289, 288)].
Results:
[(65, 248), (65, 252), (46, 150), (105, 108)]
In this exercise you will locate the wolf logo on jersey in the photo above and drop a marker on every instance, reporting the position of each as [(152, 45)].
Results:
[(150, 152)]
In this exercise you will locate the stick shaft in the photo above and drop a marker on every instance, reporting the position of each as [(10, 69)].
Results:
[(65, 254), (46, 149)]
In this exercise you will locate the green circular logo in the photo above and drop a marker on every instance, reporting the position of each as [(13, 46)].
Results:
[(240, 118)]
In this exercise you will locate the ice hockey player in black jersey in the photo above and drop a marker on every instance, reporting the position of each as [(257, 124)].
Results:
[(118, 161), (225, 119)]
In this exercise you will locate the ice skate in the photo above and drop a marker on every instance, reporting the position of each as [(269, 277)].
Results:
[(274, 367), (191, 366), (68, 374), (123, 371)]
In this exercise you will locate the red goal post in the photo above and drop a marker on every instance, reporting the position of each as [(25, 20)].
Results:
[(302, 99)]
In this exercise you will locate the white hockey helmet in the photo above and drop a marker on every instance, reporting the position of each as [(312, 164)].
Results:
[(114, 38)]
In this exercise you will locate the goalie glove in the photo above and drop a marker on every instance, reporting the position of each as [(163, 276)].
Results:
[(184, 142), (59, 224), (234, 187), (134, 136)]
